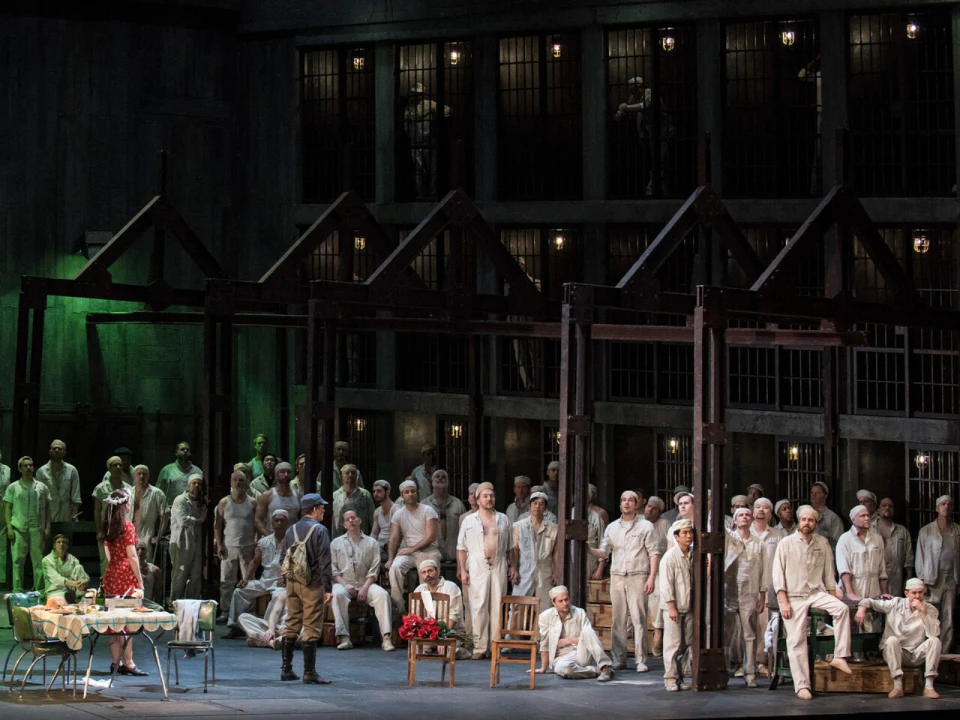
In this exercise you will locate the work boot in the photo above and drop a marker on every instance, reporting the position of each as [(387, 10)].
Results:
[(310, 676), (286, 668)]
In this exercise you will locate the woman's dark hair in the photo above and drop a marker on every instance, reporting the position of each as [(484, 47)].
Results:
[(115, 513)]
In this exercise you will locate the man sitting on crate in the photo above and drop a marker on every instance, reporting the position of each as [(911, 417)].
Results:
[(911, 636), (568, 643), (431, 581)]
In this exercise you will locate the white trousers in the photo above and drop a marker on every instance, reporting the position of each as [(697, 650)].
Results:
[(629, 603), (231, 569), (796, 627), (243, 599), (927, 654), (253, 626), (740, 630), (677, 639), (944, 596), (28, 542), (402, 564), (186, 577), (377, 598), (653, 604), (586, 661), (487, 583)]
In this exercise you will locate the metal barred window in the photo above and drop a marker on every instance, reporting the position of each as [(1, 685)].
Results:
[(357, 359), (550, 446), (359, 429), (900, 103), (772, 109), (434, 119), (652, 148), (337, 122), (799, 466), (539, 131), (325, 262), (674, 464), (931, 473), (432, 363), (801, 375), (453, 452)]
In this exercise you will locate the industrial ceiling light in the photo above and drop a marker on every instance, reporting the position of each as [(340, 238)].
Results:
[(912, 30), (454, 57), (793, 453), (456, 431), (558, 242), (672, 446), (557, 50), (360, 424), (921, 243), (360, 242), (922, 460), (788, 37), (558, 437), (359, 60), (668, 42)]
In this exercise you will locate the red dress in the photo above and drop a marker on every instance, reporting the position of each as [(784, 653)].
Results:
[(118, 577)]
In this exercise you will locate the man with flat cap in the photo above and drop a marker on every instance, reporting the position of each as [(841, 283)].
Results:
[(307, 591), (423, 473), (754, 492)]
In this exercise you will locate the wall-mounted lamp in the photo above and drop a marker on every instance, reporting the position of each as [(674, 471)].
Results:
[(912, 30), (668, 43), (454, 57), (557, 50), (456, 431), (359, 61), (793, 453), (360, 242), (672, 446), (788, 37), (921, 243), (558, 242), (360, 424), (922, 460)]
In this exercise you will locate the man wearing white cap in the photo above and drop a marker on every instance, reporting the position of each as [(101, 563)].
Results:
[(423, 473), (635, 545), (383, 516), (593, 507), (234, 536), (911, 636), (652, 513), (448, 509), (673, 514), (736, 502), (676, 603), (897, 547), (769, 537), (431, 581), (550, 489), (568, 643), (685, 509), (413, 539), (355, 564), (938, 564), (869, 501), (596, 524), (484, 555), (521, 495), (754, 493), (783, 511), (830, 524), (860, 562), (745, 582), (804, 578), (534, 540)]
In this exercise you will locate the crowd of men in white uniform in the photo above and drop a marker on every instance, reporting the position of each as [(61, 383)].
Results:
[(779, 563)]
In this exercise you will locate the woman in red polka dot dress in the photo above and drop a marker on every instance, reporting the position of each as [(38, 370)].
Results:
[(122, 576)]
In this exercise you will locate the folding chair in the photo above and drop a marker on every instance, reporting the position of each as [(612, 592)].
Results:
[(41, 647), (11, 600), (206, 624), (519, 618), (446, 649)]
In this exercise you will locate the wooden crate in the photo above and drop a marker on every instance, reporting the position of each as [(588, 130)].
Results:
[(598, 592), (260, 607), (358, 633), (605, 635), (866, 678), (600, 615), (949, 670), (355, 611)]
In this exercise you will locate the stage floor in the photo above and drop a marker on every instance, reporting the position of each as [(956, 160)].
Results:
[(368, 683)]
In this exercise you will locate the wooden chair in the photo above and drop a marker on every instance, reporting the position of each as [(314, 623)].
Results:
[(519, 618), (446, 649)]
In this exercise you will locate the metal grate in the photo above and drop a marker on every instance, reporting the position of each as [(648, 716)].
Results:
[(357, 359), (453, 452), (675, 373), (901, 103), (772, 100), (930, 474), (799, 466), (625, 245), (359, 429), (324, 263), (435, 119), (337, 122), (432, 363), (550, 445), (631, 371), (674, 464), (539, 132), (801, 370), (653, 143)]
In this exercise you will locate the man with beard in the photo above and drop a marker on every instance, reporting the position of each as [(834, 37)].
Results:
[(187, 516), (234, 536), (897, 548)]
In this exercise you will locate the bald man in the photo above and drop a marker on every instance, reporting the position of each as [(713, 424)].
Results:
[(897, 547)]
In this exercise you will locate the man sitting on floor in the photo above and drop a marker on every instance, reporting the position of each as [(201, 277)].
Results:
[(568, 643), (266, 631)]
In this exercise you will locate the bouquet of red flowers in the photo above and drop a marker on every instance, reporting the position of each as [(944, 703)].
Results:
[(416, 627)]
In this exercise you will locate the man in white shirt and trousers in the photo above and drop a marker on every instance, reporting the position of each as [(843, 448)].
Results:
[(568, 643)]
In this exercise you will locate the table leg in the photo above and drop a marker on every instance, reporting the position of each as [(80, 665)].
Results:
[(156, 656), (94, 636), (116, 667)]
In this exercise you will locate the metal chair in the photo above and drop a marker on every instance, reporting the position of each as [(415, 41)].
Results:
[(446, 649), (206, 624), (11, 600), (519, 630), (42, 647)]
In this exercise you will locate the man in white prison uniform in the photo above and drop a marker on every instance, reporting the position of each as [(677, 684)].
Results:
[(745, 591), (685, 510), (149, 506), (754, 493), (830, 525), (521, 498), (551, 487), (448, 509), (736, 502), (474, 506), (280, 497), (187, 516), (635, 545), (595, 528), (673, 514), (911, 635), (869, 501), (483, 557), (568, 643), (382, 517), (938, 565), (653, 512), (897, 548), (413, 539), (234, 536), (431, 581), (63, 482), (26, 504), (355, 564), (267, 556), (534, 540), (770, 537), (804, 578), (351, 497), (783, 514), (423, 473), (4, 484), (676, 604), (267, 631), (860, 563)]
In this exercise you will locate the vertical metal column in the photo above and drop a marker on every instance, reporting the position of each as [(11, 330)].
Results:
[(321, 341), (475, 428), (315, 356), (709, 437), (576, 410), (27, 370)]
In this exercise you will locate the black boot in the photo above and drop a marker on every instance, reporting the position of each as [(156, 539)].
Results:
[(310, 676), (286, 649)]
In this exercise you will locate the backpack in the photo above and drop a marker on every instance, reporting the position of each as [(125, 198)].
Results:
[(295, 565)]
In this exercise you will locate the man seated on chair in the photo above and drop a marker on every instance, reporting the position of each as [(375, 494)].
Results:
[(62, 572), (568, 643), (413, 539), (355, 560), (911, 636), (431, 581)]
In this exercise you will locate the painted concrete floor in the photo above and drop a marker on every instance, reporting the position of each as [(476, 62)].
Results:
[(368, 683)]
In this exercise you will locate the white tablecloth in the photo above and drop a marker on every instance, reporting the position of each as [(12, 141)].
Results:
[(72, 628)]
